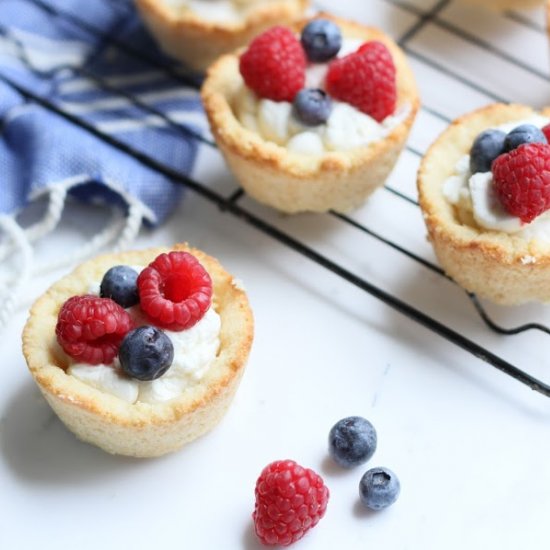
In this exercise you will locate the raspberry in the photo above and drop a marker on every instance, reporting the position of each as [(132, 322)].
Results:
[(366, 80), (175, 290), (274, 65), (522, 180), (90, 329), (290, 500), (546, 132)]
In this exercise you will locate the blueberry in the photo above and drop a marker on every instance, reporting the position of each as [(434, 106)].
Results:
[(321, 40), (146, 353), (311, 106), (486, 148), (526, 133), (120, 284), (352, 441), (379, 488)]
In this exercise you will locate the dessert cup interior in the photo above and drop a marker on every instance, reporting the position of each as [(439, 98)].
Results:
[(439, 164)]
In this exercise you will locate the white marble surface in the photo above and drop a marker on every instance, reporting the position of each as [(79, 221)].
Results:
[(469, 444)]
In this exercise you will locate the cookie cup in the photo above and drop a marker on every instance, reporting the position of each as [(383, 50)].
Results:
[(293, 182), (139, 429), (197, 42), (504, 268)]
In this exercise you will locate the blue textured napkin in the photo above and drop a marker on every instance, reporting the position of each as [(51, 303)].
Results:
[(49, 54), (63, 52)]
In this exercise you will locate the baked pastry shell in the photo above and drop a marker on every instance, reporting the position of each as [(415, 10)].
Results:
[(292, 182), (197, 42), (139, 429), (504, 268)]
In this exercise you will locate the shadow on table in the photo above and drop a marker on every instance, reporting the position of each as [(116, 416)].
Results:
[(330, 469), (250, 540), (39, 449)]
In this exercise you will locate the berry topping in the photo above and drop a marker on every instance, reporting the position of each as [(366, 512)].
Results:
[(366, 80), (486, 148), (522, 180), (290, 500), (146, 353), (546, 132), (175, 290), (120, 284), (379, 488), (90, 329), (352, 441), (321, 40), (526, 133), (274, 65), (311, 107)]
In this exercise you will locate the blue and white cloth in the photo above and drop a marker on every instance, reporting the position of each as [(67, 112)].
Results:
[(50, 48)]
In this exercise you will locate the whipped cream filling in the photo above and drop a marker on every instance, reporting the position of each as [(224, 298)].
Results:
[(195, 349), (218, 11), (347, 128), (475, 199)]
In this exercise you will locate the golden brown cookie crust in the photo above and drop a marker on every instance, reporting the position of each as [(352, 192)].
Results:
[(504, 268), (140, 429), (293, 182), (197, 42)]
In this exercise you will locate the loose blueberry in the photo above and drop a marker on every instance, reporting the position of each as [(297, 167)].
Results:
[(526, 133), (120, 284), (486, 148), (352, 441), (379, 488), (146, 353), (311, 107), (321, 40)]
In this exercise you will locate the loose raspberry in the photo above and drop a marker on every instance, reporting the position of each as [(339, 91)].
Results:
[(274, 65), (90, 329), (522, 180), (290, 500), (175, 290), (365, 79)]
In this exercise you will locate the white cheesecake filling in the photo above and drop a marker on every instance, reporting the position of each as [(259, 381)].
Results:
[(474, 197), (195, 349), (347, 128), (217, 11)]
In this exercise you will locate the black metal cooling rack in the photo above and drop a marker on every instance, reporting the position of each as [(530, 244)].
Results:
[(231, 204)]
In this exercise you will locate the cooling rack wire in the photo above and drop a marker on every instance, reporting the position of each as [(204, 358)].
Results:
[(460, 64)]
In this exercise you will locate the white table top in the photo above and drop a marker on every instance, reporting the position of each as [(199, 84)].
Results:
[(469, 444)]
